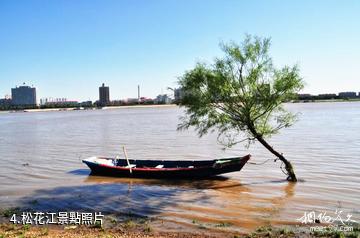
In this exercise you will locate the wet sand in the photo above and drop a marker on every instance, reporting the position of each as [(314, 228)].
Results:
[(141, 229)]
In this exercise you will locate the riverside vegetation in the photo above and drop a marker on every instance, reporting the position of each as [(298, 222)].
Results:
[(241, 95)]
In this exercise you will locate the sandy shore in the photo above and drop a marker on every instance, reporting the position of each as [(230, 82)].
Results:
[(113, 226), (137, 227), (121, 232), (21, 231), (39, 110), (141, 106), (129, 229)]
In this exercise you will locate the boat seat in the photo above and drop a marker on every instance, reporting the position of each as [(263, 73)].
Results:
[(160, 166), (131, 166)]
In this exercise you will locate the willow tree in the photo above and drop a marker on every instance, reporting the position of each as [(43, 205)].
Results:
[(240, 96)]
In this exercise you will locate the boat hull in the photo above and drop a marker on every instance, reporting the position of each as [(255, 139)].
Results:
[(172, 170)]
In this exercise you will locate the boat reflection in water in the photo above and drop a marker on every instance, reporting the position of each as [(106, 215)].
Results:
[(209, 202)]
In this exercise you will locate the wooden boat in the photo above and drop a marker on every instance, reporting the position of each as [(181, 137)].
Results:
[(172, 169)]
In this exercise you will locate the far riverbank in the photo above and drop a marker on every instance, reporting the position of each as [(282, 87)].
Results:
[(94, 108), (157, 106), (327, 100)]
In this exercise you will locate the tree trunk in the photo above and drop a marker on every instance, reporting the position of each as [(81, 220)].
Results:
[(288, 166)]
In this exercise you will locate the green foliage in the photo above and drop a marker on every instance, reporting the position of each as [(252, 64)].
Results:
[(26, 227), (240, 95), (97, 224), (147, 227), (129, 224), (9, 212), (223, 224)]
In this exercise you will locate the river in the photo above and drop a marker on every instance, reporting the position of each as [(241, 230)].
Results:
[(41, 152)]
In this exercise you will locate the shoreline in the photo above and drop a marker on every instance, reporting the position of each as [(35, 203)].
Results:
[(325, 100), (144, 229), (157, 106), (139, 106), (89, 109), (129, 226)]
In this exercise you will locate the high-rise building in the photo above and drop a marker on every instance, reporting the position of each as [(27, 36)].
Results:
[(23, 96), (104, 95)]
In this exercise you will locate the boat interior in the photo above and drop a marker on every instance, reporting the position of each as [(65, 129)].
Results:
[(151, 163)]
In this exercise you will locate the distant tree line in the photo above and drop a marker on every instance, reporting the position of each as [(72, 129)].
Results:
[(328, 96)]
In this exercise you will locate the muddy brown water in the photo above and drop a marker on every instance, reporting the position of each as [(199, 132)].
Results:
[(40, 166)]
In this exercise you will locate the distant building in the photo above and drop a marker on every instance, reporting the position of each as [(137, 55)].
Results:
[(178, 94), (23, 96), (145, 100), (347, 95), (5, 103), (86, 104), (51, 100), (104, 95), (43, 101), (131, 100), (117, 103), (57, 103), (163, 99)]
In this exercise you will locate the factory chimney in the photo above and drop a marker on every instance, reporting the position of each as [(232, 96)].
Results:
[(139, 94)]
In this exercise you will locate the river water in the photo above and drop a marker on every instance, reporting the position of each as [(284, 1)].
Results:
[(41, 152)]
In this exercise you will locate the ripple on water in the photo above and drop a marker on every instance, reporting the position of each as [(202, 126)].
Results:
[(41, 152)]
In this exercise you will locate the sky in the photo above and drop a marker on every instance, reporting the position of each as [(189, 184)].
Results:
[(69, 48)]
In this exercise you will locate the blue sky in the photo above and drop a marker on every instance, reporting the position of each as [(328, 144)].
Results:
[(68, 48)]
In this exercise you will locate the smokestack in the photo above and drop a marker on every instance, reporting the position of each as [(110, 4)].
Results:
[(138, 93)]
